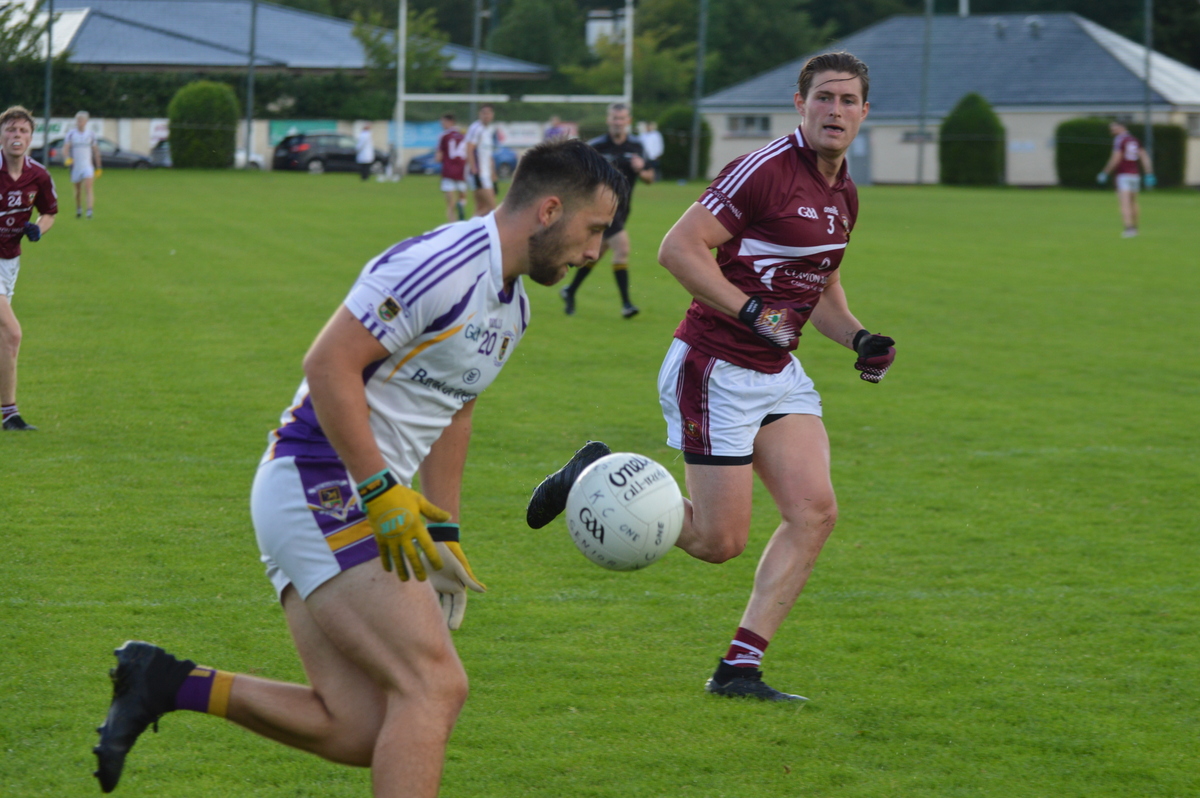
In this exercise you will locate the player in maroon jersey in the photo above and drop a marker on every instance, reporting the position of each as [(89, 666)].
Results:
[(24, 185), (452, 155), (735, 399), (1127, 154)]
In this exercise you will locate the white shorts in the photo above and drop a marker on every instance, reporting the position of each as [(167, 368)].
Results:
[(80, 171), (308, 521), (8, 275), (1129, 183), (453, 185), (482, 180), (714, 409)]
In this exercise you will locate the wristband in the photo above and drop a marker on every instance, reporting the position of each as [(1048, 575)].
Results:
[(376, 485), (443, 532)]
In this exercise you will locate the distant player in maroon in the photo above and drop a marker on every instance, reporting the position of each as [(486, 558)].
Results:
[(736, 400), (24, 186), (1127, 155), (452, 155)]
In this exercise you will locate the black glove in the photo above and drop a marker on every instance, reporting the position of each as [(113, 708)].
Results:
[(32, 231), (780, 326), (875, 355)]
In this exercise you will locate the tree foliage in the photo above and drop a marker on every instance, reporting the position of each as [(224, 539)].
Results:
[(204, 118), (662, 75), (20, 31), (424, 61), (971, 144), (546, 32), (676, 127)]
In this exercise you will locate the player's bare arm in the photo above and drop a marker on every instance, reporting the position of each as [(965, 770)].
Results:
[(442, 469), (832, 316), (46, 221), (686, 252), (1144, 157), (334, 366), (1112, 162), (472, 168)]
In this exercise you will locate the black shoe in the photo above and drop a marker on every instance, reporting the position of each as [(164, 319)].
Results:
[(569, 299), (748, 685), (145, 682), (16, 423), (549, 499), (629, 310)]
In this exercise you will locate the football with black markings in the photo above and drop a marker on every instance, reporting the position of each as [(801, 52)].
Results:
[(625, 511)]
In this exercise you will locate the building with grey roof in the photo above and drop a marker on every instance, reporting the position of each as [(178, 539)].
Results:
[(214, 35), (1035, 70)]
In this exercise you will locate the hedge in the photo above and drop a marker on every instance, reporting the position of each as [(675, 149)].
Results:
[(676, 128), (1083, 146), (971, 144), (204, 118)]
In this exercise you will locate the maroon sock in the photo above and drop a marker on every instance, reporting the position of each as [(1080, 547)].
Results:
[(746, 650)]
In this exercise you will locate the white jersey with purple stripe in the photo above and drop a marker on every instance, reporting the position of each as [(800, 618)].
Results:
[(439, 305)]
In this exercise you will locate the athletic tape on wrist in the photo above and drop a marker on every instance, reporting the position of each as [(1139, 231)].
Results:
[(377, 484), (443, 532)]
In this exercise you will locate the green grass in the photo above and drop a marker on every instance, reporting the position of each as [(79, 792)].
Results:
[(1009, 606)]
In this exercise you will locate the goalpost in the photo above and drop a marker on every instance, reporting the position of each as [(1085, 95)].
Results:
[(402, 96)]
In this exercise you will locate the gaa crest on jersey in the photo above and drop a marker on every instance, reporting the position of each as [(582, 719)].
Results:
[(691, 428), (388, 309), (506, 346)]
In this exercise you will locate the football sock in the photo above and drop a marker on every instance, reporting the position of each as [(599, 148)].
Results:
[(746, 650), (8, 411), (205, 690), (621, 272), (462, 209), (581, 274)]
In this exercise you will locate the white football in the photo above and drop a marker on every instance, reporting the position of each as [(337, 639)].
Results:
[(625, 511)]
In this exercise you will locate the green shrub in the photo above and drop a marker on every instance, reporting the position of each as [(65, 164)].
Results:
[(1083, 146), (971, 146), (676, 128), (204, 119)]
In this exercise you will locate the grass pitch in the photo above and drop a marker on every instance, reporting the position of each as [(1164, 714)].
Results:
[(1008, 606)]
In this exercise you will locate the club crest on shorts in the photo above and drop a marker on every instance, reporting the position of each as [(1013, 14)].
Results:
[(691, 428), (328, 498), (389, 309)]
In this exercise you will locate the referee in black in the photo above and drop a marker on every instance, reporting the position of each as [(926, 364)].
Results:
[(629, 158)]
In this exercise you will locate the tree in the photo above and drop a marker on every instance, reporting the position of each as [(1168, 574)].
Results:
[(971, 144), (20, 32), (204, 117), (662, 75), (546, 32), (424, 62)]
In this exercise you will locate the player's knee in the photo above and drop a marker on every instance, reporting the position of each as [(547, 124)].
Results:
[(719, 550), (820, 517), (10, 336)]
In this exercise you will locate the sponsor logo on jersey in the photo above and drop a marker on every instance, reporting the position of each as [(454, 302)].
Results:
[(833, 209), (389, 310), (808, 213)]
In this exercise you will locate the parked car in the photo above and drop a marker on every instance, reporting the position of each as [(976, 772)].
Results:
[(111, 156), (321, 152), (160, 155), (506, 163)]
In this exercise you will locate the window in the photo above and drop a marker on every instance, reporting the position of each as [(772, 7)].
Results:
[(750, 126), (1193, 125), (916, 137)]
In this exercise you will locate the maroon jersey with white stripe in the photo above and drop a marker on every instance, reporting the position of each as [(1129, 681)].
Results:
[(790, 229), (1130, 148), (453, 147), (33, 189)]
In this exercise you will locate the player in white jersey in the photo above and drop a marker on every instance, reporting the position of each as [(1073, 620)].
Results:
[(481, 164), (389, 388), (82, 154)]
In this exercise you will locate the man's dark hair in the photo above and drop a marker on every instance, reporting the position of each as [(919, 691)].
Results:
[(832, 62), (449, 117), (568, 169)]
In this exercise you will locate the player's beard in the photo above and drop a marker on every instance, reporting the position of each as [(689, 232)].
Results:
[(546, 256)]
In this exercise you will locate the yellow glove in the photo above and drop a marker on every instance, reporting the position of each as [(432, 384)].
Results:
[(395, 515), (68, 161), (98, 173), (452, 580)]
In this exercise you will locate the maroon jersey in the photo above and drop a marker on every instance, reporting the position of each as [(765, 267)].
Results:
[(453, 148), (33, 189), (790, 229), (1130, 148)]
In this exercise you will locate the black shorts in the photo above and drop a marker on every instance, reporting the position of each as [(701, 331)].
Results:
[(618, 224)]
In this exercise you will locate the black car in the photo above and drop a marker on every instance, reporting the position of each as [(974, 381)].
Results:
[(427, 163), (321, 152), (111, 156)]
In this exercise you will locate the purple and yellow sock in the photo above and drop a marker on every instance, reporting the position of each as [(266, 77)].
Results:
[(205, 690)]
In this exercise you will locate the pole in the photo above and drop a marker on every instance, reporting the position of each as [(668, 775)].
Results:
[(49, 76), (1148, 23), (628, 88), (250, 83), (476, 32), (401, 64), (701, 38), (924, 91)]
